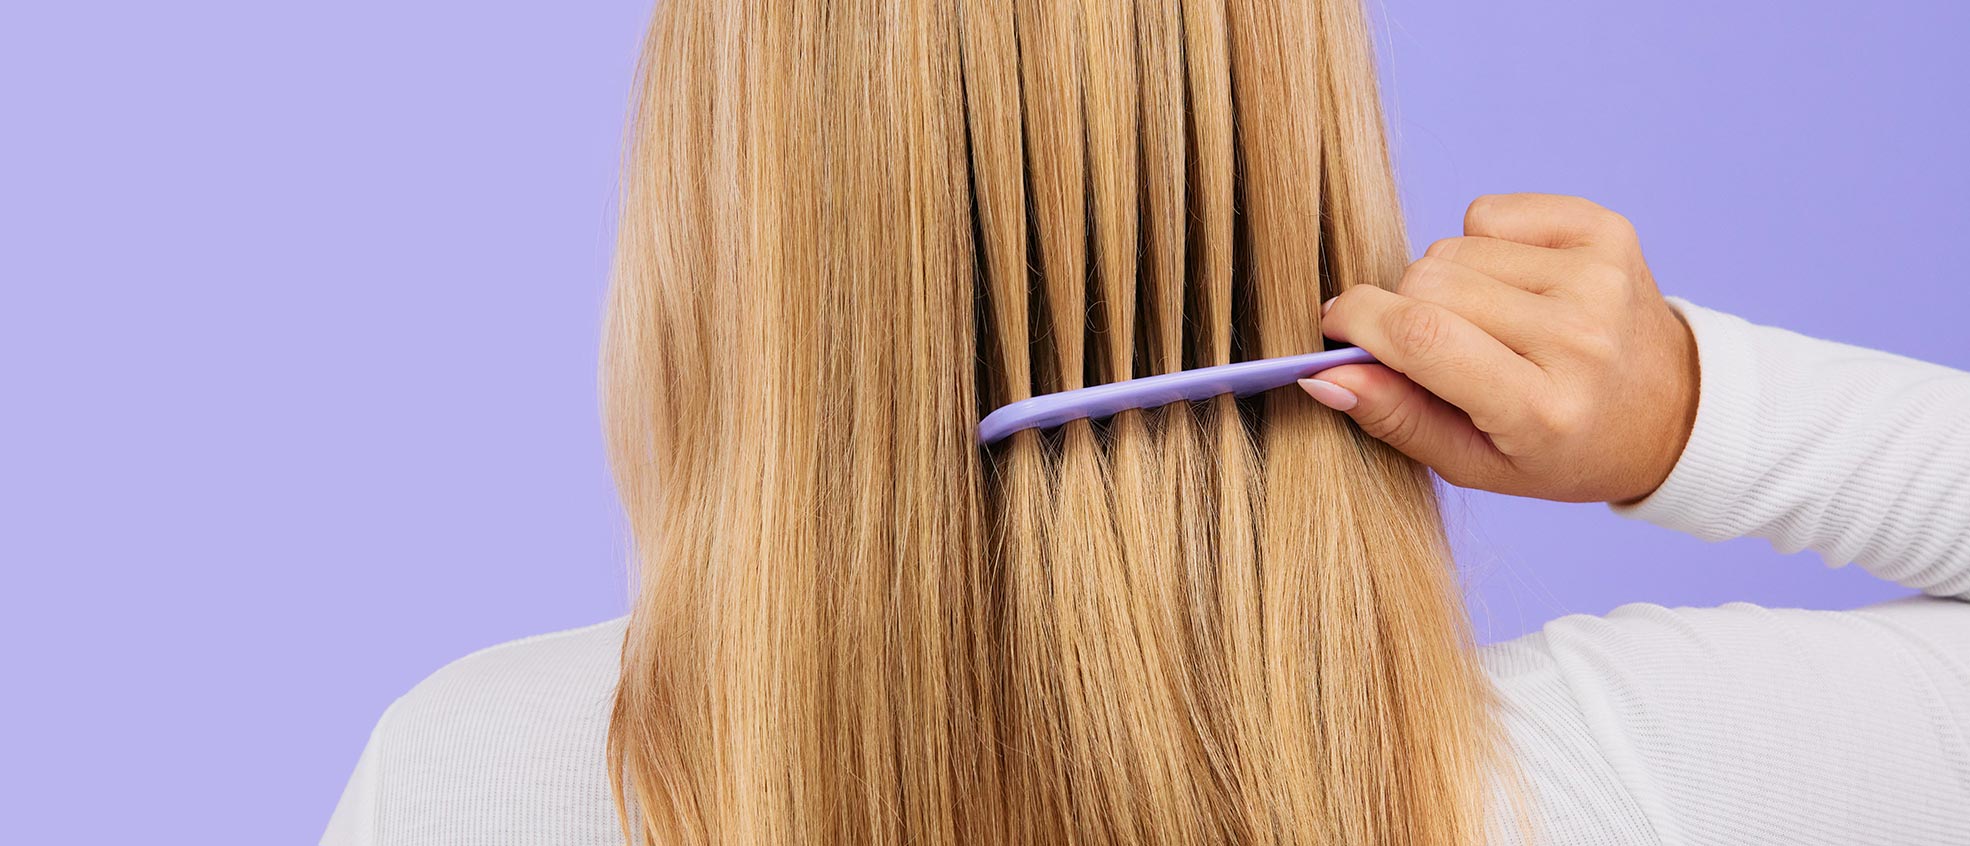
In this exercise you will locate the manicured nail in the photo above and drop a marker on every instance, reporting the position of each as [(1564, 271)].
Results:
[(1328, 304), (1329, 394)]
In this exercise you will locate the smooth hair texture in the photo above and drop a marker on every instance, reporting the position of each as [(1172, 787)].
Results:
[(850, 229)]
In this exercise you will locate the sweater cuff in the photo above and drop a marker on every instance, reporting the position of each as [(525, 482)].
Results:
[(1721, 461)]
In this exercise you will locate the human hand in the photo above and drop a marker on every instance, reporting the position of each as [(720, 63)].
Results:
[(1533, 356)]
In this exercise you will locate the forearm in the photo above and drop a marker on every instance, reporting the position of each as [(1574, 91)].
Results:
[(1859, 455)]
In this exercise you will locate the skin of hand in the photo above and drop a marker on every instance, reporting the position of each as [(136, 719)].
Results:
[(1534, 356)]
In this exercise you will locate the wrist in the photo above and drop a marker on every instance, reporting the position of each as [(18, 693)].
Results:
[(1682, 395), (1717, 460)]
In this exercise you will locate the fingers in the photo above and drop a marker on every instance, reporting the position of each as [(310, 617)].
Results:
[(1527, 357), (1537, 270), (1512, 315), (1399, 412), (1546, 220), (1445, 353)]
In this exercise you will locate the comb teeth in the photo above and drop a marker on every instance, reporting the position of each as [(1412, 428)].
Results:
[(1103, 165)]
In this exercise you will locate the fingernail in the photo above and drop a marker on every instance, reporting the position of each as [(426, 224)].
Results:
[(1329, 394), (1328, 304)]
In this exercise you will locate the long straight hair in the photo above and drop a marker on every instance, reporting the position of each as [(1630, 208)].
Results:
[(848, 229)]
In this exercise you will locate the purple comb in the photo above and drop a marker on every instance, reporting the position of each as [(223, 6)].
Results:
[(1241, 379)]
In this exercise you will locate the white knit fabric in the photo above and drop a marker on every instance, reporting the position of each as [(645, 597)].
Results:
[(1729, 725)]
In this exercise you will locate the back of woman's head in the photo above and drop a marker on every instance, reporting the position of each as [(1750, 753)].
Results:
[(849, 229)]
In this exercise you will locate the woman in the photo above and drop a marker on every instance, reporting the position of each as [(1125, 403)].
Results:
[(850, 231)]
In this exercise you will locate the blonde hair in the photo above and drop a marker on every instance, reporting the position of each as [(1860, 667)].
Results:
[(848, 230)]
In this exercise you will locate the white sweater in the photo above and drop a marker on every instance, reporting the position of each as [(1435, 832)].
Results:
[(1736, 724)]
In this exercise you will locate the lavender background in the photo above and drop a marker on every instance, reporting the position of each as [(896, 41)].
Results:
[(298, 309)]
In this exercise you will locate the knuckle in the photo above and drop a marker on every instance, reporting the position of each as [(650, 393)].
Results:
[(1605, 276), (1417, 328), (1597, 346), (1444, 248), (1561, 417), (1422, 278), (1612, 224), (1482, 211)]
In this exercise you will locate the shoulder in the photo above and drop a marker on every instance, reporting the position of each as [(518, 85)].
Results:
[(505, 745), (1743, 718), (558, 674), (1739, 648)]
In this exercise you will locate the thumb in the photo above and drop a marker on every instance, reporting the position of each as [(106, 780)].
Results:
[(1399, 412)]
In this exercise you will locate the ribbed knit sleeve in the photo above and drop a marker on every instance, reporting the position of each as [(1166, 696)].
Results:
[(1742, 725), (1860, 455)]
